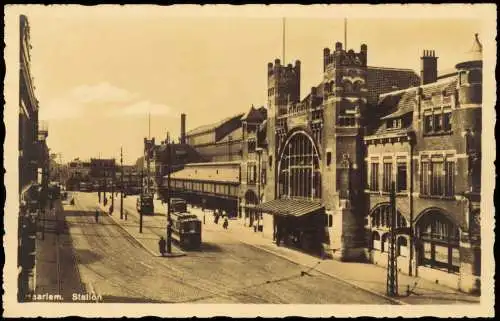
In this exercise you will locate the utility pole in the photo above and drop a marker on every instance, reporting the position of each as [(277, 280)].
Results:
[(121, 183), (104, 172), (169, 221), (142, 192), (392, 264), (113, 173), (259, 177)]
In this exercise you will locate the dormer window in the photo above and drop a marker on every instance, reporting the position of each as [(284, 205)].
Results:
[(394, 123)]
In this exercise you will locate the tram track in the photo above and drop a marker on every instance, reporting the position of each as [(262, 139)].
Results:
[(113, 261), (89, 237)]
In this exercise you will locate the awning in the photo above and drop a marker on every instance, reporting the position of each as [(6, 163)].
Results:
[(290, 207)]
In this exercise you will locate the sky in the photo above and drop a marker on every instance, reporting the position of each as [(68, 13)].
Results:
[(97, 76)]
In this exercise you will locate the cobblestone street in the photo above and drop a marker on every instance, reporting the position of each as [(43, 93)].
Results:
[(116, 267)]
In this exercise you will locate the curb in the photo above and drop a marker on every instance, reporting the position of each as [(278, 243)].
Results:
[(398, 302), (136, 240)]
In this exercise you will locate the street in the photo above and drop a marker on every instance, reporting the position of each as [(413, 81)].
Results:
[(115, 267)]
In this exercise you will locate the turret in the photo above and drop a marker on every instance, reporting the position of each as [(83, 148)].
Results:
[(470, 75)]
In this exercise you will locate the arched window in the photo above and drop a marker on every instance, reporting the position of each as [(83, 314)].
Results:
[(402, 249), (299, 173), (347, 86), (381, 217), (438, 241), (376, 241), (357, 86), (385, 242)]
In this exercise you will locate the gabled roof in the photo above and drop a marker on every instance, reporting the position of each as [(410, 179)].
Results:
[(213, 126), (401, 102), (446, 85), (236, 134), (255, 115)]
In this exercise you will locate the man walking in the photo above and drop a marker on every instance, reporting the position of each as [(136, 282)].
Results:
[(162, 243)]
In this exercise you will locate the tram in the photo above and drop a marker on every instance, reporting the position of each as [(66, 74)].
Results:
[(186, 227), (145, 204)]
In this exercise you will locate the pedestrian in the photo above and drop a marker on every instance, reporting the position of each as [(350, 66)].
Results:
[(111, 209), (226, 223), (216, 219), (162, 243), (97, 216)]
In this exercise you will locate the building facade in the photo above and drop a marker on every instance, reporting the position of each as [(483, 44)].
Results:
[(429, 143), (315, 173), (315, 150), (34, 164)]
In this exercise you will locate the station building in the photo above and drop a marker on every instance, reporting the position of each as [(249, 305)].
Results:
[(314, 173)]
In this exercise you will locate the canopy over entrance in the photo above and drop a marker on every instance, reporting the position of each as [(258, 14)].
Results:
[(290, 207)]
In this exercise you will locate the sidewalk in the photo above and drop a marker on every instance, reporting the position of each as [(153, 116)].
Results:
[(369, 277), (152, 229), (56, 269)]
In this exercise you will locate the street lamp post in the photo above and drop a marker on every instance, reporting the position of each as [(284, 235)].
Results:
[(113, 173), (392, 264), (121, 183), (169, 221)]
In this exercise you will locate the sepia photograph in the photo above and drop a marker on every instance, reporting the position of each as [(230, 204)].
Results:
[(249, 160)]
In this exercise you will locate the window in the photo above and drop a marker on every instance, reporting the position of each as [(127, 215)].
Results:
[(402, 244), (299, 175), (438, 125), (376, 241), (401, 177), (427, 124), (475, 76), (394, 123), (374, 177), (463, 78), (437, 178), (440, 242), (449, 181), (251, 146), (328, 158), (387, 177), (251, 173)]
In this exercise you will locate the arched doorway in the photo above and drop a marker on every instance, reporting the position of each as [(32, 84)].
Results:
[(299, 174), (251, 200), (438, 241), (381, 223)]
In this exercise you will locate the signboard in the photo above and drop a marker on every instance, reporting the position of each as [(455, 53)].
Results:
[(298, 120)]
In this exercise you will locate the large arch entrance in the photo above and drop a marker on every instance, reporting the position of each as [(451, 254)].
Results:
[(299, 174), (438, 241)]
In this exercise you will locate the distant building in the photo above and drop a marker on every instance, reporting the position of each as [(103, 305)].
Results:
[(103, 171)]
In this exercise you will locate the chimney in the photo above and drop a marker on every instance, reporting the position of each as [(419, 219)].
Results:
[(428, 71), (183, 129)]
